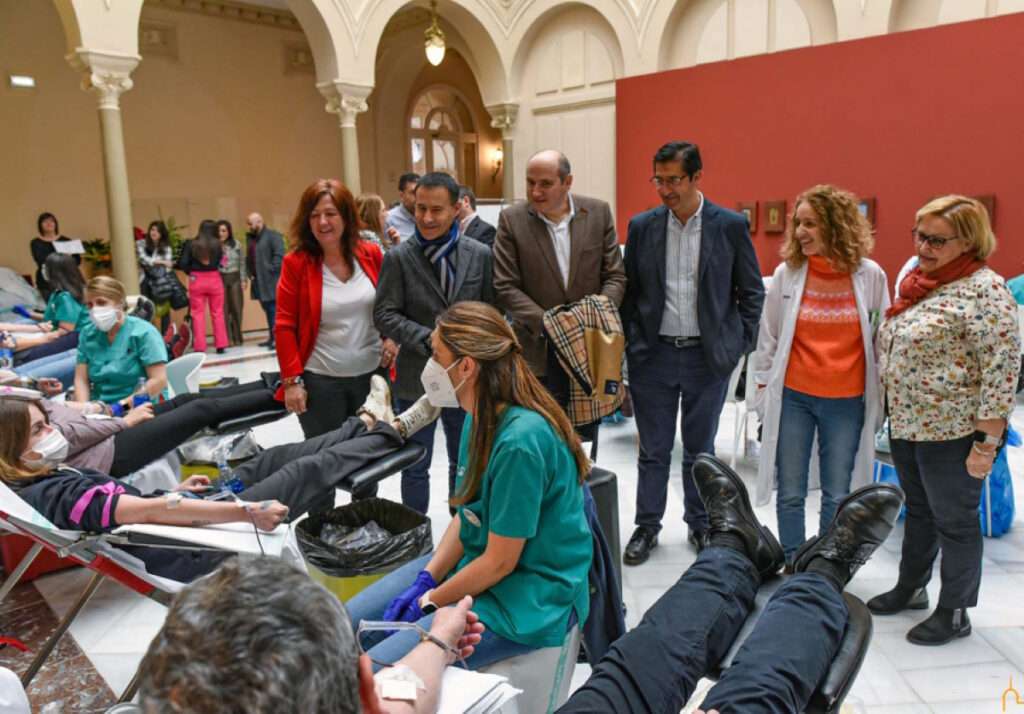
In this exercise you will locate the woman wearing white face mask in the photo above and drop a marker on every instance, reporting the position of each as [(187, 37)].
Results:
[(116, 350), (519, 542)]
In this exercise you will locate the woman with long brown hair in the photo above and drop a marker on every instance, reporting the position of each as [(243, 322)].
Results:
[(374, 214), (519, 542), (200, 258), (327, 344)]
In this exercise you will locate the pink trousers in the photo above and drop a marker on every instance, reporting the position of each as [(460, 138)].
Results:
[(207, 287)]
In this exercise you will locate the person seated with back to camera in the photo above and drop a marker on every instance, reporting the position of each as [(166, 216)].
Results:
[(294, 639), (288, 479)]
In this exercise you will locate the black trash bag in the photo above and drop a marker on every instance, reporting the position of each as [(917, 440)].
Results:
[(409, 538)]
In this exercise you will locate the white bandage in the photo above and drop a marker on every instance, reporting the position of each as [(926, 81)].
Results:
[(173, 500)]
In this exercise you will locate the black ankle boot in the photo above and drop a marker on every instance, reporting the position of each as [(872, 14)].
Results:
[(898, 599), (944, 625)]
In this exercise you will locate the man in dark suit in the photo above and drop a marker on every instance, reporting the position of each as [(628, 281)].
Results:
[(556, 248), (264, 255), (473, 225), (419, 279), (693, 302)]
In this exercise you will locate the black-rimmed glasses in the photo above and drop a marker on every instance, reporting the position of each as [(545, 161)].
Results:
[(934, 242), (672, 181)]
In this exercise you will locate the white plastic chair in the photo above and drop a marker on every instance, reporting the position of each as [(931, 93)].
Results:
[(544, 675), (739, 431), (183, 373)]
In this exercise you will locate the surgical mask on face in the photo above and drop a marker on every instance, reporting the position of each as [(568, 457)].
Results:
[(52, 450), (438, 384), (104, 317)]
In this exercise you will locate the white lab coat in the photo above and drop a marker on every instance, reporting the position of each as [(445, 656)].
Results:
[(774, 341)]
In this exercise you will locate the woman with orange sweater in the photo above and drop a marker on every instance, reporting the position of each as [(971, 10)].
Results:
[(815, 363)]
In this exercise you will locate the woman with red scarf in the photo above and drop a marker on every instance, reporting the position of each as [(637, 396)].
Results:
[(949, 355)]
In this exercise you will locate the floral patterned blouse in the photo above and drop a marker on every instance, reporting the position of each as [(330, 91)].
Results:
[(951, 359)]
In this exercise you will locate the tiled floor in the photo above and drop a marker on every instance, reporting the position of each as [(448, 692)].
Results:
[(966, 676)]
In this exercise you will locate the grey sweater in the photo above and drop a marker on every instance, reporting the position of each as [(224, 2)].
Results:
[(90, 441)]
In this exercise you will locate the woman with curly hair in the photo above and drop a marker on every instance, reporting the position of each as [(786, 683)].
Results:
[(815, 364)]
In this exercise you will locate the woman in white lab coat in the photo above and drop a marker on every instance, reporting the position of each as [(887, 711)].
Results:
[(815, 363)]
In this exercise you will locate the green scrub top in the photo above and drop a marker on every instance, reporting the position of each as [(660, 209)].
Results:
[(115, 368), (530, 490), (62, 307)]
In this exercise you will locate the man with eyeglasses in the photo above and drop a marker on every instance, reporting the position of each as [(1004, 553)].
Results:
[(693, 301), (555, 249)]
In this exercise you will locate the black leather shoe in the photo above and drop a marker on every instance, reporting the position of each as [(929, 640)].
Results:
[(729, 511), (862, 522), (942, 626), (899, 599), (698, 539), (266, 343), (640, 545)]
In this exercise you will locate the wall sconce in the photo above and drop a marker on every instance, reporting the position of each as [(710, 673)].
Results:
[(22, 81), (496, 157), (434, 38)]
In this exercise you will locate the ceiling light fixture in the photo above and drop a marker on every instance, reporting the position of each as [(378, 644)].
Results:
[(434, 38)]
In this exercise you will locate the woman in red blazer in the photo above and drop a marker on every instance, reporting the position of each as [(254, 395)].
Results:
[(327, 345)]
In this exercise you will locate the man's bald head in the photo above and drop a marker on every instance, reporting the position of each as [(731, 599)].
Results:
[(548, 180), (255, 222)]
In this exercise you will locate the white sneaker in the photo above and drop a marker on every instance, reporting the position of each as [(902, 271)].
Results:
[(378, 401), (419, 415)]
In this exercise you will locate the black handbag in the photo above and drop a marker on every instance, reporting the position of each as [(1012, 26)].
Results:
[(159, 283)]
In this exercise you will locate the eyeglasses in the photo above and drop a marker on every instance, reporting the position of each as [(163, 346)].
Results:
[(389, 627), (672, 181), (934, 242)]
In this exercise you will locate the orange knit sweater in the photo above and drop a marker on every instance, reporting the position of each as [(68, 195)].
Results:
[(827, 357)]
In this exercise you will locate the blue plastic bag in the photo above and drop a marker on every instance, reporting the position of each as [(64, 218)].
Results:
[(886, 473), (996, 510)]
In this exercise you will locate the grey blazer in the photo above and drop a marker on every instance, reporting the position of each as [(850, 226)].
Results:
[(409, 300), (267, 270)]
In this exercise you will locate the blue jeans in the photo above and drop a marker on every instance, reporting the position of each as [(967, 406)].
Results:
[(838, 423), (669, 379), (416, 480), (371, 603), (59, 366), (656, 666)]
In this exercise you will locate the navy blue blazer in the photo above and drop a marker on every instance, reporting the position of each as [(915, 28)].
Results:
[(730, 291)]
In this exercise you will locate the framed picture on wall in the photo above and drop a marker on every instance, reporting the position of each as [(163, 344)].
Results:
[(988, 200), (749, 209), (774, 216), (867, 209)]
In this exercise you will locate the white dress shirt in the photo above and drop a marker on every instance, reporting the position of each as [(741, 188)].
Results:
[(402, 221), (682, 259), (560, 240)]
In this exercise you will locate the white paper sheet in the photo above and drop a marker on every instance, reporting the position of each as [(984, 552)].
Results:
[(465, 692), (237, 537), (69, 247)]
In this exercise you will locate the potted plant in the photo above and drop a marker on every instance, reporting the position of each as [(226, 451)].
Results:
[(97, 257)]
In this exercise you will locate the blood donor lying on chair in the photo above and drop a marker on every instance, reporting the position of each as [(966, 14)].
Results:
[(291, 479)]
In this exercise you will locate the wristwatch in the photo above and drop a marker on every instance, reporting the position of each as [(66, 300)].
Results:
[(425, 605), (981, 437), (289, 381)]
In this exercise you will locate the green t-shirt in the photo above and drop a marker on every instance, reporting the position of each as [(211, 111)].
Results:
[(62, 307), (115, 367), (530, 490)]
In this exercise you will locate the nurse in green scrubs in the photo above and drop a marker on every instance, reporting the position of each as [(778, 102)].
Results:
[(519, 542), (116, 350)]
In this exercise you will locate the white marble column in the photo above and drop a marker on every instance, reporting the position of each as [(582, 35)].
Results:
[(347, 101), (503, 117), (108, 76)]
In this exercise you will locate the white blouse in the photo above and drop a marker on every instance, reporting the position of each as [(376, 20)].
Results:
[(347, 344)]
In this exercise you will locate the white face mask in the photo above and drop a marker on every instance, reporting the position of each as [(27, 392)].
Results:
[(52, 450), (104, 318), (438, 384)]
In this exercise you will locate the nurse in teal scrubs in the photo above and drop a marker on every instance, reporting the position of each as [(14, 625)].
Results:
[(115, 350), (519, 542)]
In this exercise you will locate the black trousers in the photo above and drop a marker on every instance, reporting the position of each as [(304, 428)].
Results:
[(304, 475), (331, 400), (654, 668), (178, 419), (558, 382), (942, 512)]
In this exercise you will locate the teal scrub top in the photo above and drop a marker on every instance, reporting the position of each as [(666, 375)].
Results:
[(62, 307), (115, 368), (530, 490), (1016, 286)]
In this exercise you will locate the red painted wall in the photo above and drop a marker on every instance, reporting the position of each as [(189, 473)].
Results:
[(902, 118)]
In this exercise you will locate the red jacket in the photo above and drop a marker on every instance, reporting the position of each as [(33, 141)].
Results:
[(299, 294)]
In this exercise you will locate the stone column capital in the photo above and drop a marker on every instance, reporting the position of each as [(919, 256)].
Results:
[(345, 100), (105, 74), (503, 117)]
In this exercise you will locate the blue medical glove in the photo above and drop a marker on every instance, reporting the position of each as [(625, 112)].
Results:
[(398, 610), (22, 311)]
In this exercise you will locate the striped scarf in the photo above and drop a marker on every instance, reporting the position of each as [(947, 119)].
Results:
[(440, 252)]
